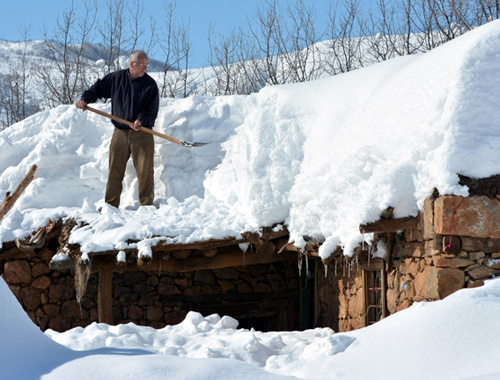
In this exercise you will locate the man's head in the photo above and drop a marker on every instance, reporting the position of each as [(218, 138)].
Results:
[(138, 63)]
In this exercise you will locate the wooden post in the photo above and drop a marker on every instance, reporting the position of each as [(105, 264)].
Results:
[(105, 296), (10, 199)]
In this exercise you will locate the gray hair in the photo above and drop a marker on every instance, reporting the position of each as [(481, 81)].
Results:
[(136, 54)]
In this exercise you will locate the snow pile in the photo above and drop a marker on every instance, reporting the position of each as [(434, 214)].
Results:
[(456, 338), (321, 157)]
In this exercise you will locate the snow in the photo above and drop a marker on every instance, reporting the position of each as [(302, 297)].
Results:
[(455, 338), (321, 158)]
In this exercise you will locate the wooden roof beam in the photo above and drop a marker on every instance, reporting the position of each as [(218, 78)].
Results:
[(389, 225)]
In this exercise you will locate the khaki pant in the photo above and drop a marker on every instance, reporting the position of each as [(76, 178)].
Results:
[(141, 146)]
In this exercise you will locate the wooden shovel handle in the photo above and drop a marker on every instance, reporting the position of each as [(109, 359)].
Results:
[(130, 124)]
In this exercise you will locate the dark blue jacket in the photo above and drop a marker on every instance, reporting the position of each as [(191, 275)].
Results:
[(131, 99)]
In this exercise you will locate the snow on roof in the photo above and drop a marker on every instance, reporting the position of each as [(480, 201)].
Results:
[(321, 157)]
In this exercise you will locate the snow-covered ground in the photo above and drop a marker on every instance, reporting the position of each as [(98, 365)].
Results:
[(456, 338), (321, 157)]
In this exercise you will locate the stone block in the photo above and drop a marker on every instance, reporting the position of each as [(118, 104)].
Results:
[(476, 216), (426, 284), (135, 312), (449, 281), (42, 282), (17, 272), (40, 269), (477, 255), (51, 309), (61, 292), (154, 313), (31, 298), (427, 219), (71, 309), (455, 262), (482, 272)]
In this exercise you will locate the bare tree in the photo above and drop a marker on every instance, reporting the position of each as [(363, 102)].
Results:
[(344, 44), (112, 32), (486, 10), (298, 43), (267, 35), (223, 60), (64, 77), (176, 47), (16, 103)]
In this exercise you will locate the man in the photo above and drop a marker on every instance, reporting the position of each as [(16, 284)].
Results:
[(135, 97)]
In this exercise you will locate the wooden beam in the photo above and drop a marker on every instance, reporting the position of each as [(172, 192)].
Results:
[(389, 225), (105, 296), (10, 199), (233, 258)]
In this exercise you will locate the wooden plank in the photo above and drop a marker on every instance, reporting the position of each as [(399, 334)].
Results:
[(389, 225), (105, 296), (10, 199), (163, 246), (233, 258)]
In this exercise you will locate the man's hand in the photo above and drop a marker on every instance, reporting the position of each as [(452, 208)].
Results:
[(137, 125), (82, 104)]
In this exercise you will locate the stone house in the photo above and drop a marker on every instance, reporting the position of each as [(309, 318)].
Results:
[(262, 279)]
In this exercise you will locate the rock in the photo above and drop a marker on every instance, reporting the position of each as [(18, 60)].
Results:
[(477, 255), (262, 288), (42, 282), (61, 292), (30, 297), (71, 309), (40, 269), (51, 309), (476, 216), (135, 312), (167, 289), (17, 272), (204, 277), (154, 313), (456, 262), (449, 281), (482, 272)]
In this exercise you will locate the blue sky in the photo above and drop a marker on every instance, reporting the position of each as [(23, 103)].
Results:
[(224, 15)]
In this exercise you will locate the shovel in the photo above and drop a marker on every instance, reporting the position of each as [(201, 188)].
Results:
[(148, 130)]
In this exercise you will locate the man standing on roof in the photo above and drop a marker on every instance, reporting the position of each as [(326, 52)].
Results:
[(135, 97)]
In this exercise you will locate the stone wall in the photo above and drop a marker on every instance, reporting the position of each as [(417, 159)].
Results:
[(48, 296), (340, 295), (456, 245), (260, 296)]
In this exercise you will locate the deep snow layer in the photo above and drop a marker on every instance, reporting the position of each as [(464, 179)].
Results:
[(456, 338), (321, 157)]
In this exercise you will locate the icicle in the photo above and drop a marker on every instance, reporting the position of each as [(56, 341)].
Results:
[(363, 242), (299, 263), (326, 269), (307, 264)]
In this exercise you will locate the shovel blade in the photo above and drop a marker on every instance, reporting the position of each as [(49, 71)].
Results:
[(193, 144)]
